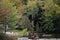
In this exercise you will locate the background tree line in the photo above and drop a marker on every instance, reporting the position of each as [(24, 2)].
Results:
[(41, 16)]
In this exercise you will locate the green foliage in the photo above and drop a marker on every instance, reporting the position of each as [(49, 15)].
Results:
[(57, 2), (50, 14), (47, 24), (24, 22), (17, 14), (32, 8), (21, 33), (13, 16)]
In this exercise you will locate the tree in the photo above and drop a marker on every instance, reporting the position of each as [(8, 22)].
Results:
[(47, 14), (51, 13), (9, 14), (32, 12)]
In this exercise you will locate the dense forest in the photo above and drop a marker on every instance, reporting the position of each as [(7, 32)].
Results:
[(40, 16)]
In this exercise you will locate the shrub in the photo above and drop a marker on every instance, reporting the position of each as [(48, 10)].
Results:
[(6, 37)]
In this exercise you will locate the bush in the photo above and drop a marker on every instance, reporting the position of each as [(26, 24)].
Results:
[(6, 37)]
